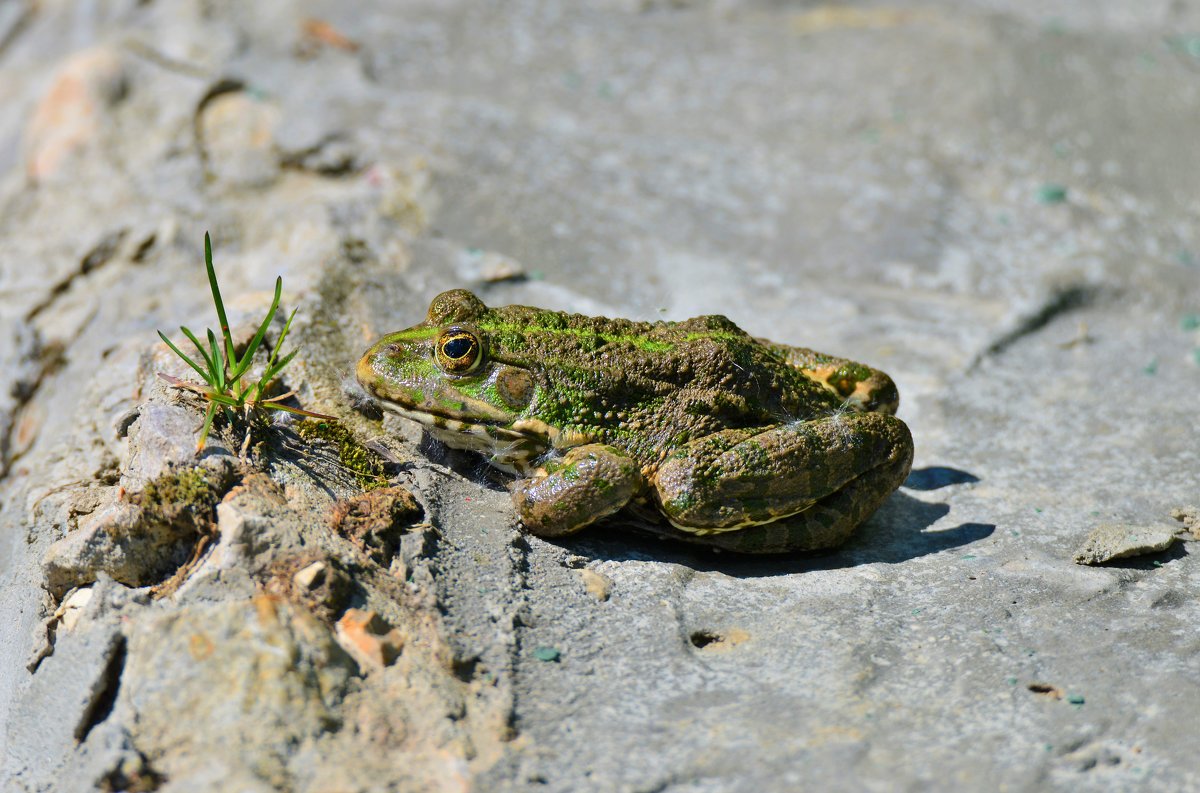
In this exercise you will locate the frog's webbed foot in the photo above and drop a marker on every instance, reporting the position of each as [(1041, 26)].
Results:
[(566, 494), (794, 487)]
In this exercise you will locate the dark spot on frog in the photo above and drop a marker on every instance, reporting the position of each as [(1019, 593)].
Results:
[(844, 386), (886, 395)]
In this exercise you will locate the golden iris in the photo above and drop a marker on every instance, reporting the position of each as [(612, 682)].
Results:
[(458, 351)]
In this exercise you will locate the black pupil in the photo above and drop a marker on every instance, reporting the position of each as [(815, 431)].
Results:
[(458, 347)]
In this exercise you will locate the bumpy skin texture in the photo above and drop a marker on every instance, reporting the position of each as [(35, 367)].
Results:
[(728, 440)]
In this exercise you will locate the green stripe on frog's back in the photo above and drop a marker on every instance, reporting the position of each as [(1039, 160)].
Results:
[(417, 333), (512, 323)]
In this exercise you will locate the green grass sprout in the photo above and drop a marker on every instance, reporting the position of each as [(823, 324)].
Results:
[(226, 384)]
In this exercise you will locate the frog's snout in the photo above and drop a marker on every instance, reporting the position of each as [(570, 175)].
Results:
[(367, 370)]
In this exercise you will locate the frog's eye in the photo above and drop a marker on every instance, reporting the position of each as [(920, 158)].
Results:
[(458, 351)]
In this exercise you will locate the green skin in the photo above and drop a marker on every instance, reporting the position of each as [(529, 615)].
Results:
[(739, 443)]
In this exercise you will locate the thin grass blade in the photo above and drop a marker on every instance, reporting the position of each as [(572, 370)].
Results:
[(175, 382), (225, 399), (297, 411), (216, 293), (207, 358), (180, 353), (279, 342), (279, 398), (248, 356), (208, 420), (218, 363)]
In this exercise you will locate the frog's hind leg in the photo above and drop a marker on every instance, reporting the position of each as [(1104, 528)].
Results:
[(825, 525), (801, 487), (862, 388)]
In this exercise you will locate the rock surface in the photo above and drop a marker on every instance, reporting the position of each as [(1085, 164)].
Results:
[(994, 201)]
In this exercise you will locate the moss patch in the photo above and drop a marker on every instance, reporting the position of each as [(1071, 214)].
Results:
[(189, 495), (183, 486), (367, 467)]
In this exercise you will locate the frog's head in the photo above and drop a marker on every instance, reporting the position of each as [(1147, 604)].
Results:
[(442, 374)]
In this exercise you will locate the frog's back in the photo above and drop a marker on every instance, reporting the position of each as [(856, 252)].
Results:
[(664, 381), (705, 351)]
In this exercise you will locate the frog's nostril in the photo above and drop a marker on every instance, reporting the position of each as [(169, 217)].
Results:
[(392, 349)]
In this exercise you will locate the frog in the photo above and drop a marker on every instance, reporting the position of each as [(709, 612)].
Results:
[(694, 430)]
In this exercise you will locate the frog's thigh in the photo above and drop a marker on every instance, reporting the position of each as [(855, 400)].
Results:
[(737, 479), (827, 523), (862, 387), (586, 484)]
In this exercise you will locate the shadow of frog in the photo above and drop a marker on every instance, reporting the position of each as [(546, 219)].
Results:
[(936, 477), (896, 533)]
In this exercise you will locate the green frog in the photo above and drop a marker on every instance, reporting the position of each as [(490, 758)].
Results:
[(697, 429)]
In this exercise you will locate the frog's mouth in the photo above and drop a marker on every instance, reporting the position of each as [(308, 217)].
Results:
[(513, 447), (510, 442)]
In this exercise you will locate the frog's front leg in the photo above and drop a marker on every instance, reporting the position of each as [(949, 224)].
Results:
[(568, 493), (799, 486)]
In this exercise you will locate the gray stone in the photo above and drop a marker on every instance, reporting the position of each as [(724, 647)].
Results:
[(237, 130), (253, 673), (70, 694), (163, 437), (21, 358), (111, 540)]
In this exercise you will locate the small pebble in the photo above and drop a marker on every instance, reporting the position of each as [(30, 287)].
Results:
[(1052, 194), (1110, 541), (368, 639), (310, 577), (72, 608), (598, 586), (548, 654)]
